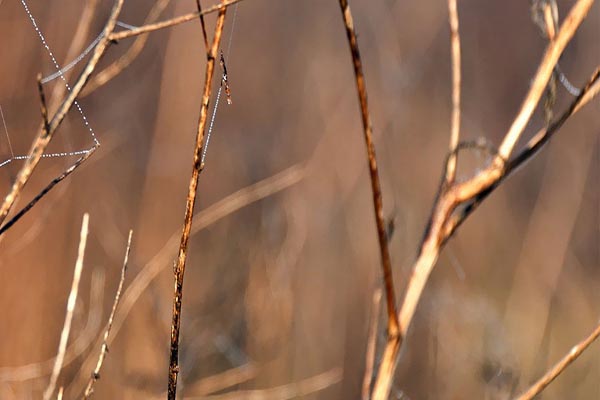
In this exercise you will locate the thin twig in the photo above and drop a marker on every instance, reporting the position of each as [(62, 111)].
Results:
[(386, 264), (47, 189), (179, 269), (44, 137), (104, 350), (456, 73), (171, 22), (64, 335), (560, 366), (199, 7)]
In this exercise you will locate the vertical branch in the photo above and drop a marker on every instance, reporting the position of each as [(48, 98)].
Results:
[(455, 125), (386, 264), (104, 350), (189, 209), (64, 336)]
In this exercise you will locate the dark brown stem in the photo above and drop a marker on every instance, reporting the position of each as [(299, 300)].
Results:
[(386, 264), (199, 6), (189, 208)]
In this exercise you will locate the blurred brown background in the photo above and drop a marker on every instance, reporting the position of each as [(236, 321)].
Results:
[(280, 290)]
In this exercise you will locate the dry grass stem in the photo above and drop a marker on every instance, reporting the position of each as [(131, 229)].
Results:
[(294, 390), (456, 73), (560, 366), (64, 335), (179, 269), (171, 22), (44, 136), (386, 262), (104, 350)]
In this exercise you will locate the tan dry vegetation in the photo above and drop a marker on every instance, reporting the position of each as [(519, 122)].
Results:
[(279, 286)]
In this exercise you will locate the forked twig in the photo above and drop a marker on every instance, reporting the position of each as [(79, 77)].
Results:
[(535, 144), (45, 135), (179, 269), (560, 366), (64, 335), (104, 349), (386, 263), (443, 223)]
